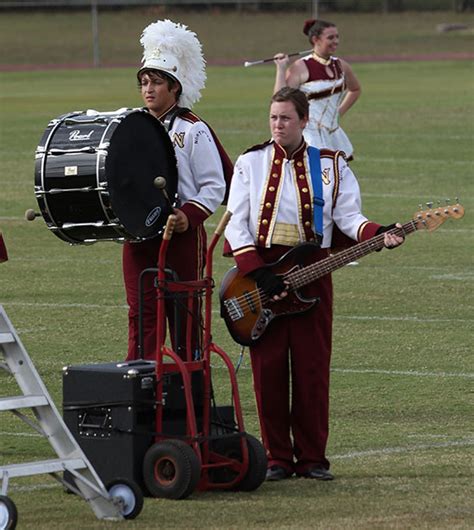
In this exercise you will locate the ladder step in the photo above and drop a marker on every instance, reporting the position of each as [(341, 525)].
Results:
[(22, 402), (41, 466), (6, 338)]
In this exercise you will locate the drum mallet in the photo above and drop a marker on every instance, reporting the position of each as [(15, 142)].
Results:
[(271, 59), (160, 183), (31, 215)]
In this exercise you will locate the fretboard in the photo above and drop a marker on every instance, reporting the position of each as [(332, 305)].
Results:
[(306, 275)]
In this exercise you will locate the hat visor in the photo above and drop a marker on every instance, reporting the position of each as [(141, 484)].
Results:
[(171, 72)]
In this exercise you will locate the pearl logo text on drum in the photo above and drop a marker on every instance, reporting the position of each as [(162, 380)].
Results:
[(76, 136), (153, 216)]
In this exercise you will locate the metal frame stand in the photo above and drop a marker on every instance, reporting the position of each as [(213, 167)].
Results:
[(51, 426)]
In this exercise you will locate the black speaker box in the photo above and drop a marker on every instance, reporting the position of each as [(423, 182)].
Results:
[(110, 410)]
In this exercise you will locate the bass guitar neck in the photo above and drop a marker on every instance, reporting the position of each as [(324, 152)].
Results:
[(247, 310)]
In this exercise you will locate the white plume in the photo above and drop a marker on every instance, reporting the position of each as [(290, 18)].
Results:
[(171, 47)]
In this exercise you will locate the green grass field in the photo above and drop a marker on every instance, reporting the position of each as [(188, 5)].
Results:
[(402, 439)]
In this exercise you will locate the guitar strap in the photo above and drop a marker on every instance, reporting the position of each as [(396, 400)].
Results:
[(317, 181)]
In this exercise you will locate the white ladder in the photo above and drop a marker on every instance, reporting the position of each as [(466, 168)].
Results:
[(15, 360)]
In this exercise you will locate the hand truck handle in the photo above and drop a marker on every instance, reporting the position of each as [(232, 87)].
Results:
[(223, 223), (170, 224)]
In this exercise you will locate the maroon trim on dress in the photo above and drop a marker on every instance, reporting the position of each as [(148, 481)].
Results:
[(324, 93)]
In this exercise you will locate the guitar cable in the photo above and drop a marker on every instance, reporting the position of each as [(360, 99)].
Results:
[(240, 359)]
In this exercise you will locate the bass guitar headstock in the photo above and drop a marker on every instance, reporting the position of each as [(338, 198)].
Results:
[(431, 218)]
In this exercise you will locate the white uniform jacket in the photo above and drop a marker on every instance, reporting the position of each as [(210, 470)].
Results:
[(271, 200), (201, 184)]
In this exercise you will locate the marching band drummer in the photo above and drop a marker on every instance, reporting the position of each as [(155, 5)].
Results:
[(170, 81), (328, 82), (272, 196)]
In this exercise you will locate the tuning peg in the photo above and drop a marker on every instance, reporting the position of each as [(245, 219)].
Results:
[(430, 205), (420, 206)]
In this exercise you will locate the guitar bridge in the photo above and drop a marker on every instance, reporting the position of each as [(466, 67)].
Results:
[(233, 309)]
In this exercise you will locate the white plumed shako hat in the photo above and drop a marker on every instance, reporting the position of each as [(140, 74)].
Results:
[(171, 48)]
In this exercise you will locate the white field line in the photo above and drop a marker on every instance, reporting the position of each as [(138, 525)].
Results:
[(415, 373), (37, 487), (72, 259), (347, 456), (467, 272), (65, 306), (401, 319), (453, 277), (217, 312), (22, 434), (403, 450), (392, 160), (121, 307), (425, 136), (377, 371)]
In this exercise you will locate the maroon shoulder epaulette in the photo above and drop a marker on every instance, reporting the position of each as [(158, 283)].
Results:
[(227, 165), (329, 153), (189, 115), (258, 147)]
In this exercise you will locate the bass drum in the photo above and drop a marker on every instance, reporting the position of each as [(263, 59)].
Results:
[(96, 176)]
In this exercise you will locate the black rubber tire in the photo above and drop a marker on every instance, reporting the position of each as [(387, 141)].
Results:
[(130, 495), (195, 465), (257, 467), (8, 513), (169, 470)]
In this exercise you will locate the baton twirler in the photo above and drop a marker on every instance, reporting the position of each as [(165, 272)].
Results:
[(270, 59)]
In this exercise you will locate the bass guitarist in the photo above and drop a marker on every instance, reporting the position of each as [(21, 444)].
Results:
[(283, 194)]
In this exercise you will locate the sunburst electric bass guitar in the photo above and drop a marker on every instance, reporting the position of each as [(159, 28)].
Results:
[(247, 310)]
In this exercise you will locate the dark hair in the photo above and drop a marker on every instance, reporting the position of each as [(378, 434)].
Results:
[(172, 82), (314, 28), (294, 95)]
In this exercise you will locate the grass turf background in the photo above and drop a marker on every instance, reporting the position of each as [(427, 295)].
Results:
[(401, 410)]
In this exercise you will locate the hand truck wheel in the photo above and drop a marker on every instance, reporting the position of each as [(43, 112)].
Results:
[(171, 469), (257, 469), (257, 466)]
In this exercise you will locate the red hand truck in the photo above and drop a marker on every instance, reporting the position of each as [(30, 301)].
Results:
[(206, 457)]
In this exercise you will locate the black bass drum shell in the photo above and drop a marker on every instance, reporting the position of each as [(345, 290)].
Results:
[(95, 176)]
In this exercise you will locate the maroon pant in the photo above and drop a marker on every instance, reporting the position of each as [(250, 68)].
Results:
[(185, 257), (295, 422)]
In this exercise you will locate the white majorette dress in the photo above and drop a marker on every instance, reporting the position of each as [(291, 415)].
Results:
[(325, 90)]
